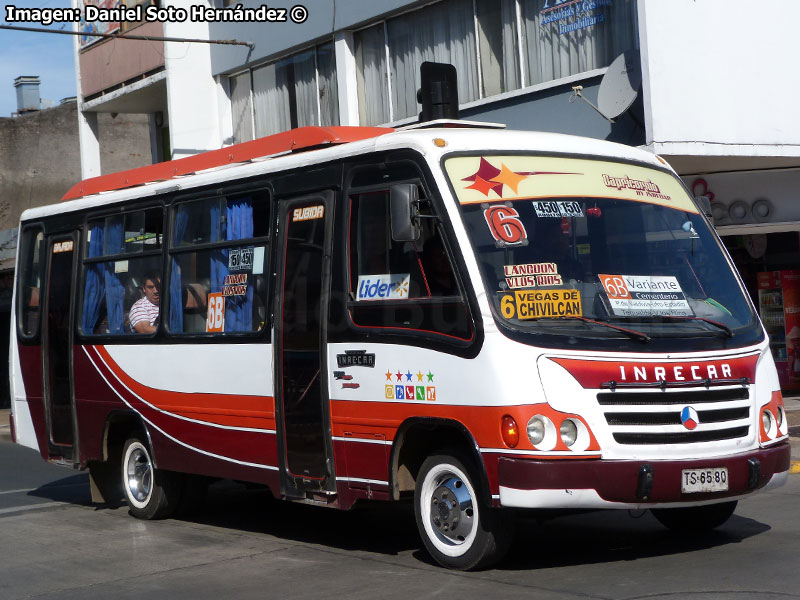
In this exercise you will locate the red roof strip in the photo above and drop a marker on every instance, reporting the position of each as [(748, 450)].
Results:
[(295, 139)]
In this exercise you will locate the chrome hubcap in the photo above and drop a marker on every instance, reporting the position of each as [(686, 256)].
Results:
[(452, 514), (139, 474)]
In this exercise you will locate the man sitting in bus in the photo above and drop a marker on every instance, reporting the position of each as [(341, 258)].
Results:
[(144, 312)]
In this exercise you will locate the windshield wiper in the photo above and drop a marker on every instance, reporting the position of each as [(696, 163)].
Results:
[(676, 318), (631, 333), (717, 324)]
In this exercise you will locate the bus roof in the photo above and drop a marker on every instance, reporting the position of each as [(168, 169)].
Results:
[(302, 138), (307, 146)]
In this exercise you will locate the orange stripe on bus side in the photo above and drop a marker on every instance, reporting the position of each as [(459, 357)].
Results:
[(483, 422)]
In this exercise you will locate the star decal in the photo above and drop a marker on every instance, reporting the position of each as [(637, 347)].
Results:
[(420, 375), (489, 178), (409, 376), (482, 179), (430, 376), (510, 178), (399, 376), (388, 375), (484, 187)]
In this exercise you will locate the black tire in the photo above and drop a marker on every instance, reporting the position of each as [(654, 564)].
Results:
[(150, 493), (458, 527), (193, 495), (695, 518)]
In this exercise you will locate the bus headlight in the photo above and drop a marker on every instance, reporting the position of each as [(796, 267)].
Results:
[(536, 430), (568, 431), (766, 422), (542, 433)]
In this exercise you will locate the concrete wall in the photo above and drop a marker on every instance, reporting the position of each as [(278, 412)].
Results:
[(721, 75), (39, 158)]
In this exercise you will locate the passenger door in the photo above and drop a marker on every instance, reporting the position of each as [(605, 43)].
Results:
[(303, 413), (57, 345)]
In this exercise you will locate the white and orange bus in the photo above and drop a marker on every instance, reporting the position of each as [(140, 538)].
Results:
[(477, 319)]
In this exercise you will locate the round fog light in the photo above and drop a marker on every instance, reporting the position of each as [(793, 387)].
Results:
[(536, 430), (569, 432)]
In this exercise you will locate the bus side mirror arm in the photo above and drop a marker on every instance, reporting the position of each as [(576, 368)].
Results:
[(403, 203)]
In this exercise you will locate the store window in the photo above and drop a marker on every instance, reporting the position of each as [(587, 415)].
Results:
[(241, 107), (442, 32), (122, 274), (218, 257), (295, 91), (497, 46), (401, 285), (567, 38), (498, 41), (30, 281)]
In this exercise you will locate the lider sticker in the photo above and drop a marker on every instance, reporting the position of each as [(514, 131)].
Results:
[(536, 304), (387, 286)]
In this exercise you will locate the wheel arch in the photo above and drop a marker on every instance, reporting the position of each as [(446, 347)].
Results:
[(420, 437), (120, 425)]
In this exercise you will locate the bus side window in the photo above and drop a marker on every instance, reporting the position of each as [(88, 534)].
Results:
[(373, 252), (30, 282), (123, 254), (221, 287), (401, 285)]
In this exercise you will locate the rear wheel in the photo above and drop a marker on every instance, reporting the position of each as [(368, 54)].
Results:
[(149, 492), (695, 518), (458, 529)]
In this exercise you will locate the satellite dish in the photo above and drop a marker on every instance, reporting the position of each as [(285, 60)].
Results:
[(620, 85)]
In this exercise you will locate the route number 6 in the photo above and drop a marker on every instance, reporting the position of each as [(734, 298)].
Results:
[(505, 225), (507, 307)]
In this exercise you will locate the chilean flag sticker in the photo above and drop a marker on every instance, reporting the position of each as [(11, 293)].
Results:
[(689, 417)]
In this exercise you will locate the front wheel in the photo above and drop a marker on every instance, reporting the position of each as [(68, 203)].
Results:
[(695, 518), (150, 493), (458, 529)]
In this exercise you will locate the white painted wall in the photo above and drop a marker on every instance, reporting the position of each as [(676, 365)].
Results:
[(192, 92), (780, 188), (88, 134), (721, 76)]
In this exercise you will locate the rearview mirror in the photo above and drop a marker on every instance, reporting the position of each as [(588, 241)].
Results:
[(403, 198)]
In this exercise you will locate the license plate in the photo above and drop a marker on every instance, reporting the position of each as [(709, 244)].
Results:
[(704, 480)]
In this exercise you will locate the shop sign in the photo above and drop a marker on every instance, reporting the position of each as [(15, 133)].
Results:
[(572, 15)]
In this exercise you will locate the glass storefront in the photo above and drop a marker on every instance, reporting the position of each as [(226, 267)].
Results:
[(769, 264)]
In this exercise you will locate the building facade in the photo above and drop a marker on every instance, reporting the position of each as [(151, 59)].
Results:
[(39, 163), (713, 91)]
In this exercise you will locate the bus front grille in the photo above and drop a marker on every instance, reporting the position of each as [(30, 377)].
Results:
[(654, 417)]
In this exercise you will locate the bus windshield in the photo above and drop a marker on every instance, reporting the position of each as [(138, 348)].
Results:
[(599, 253)]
